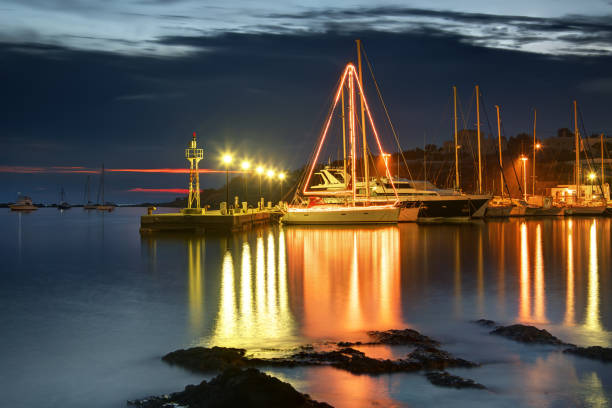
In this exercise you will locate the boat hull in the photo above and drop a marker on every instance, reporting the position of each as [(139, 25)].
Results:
[(17, 207), (584, 210), (498, 211), (441, 208), (341, 216)]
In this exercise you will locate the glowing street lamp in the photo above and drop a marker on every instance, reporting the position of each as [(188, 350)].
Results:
[(592, 177), (245, 165), (227, 159), (524, 160)]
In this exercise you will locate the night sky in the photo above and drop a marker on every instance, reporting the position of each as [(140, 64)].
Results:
[(125, 83)]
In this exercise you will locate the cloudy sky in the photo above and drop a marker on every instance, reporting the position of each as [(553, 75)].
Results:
[(127, 82)]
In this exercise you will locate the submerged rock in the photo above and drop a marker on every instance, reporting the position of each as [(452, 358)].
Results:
[(444, 379), (593, 352), (356, 362), (208, 359), (527, 334), (431, 358), (248, 388), (485, 322), (401, 337)]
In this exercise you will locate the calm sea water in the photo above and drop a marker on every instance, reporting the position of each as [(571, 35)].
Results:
[(88, 307)]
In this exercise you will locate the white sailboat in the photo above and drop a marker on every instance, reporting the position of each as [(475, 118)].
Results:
[(349, 201)]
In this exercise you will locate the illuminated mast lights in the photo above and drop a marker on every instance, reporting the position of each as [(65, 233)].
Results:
[(194, 155)]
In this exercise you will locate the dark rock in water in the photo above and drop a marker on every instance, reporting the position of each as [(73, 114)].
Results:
[(248, 388), (485, 322), (527, 334), (402, 337), (444, 379), (594, 352), (348, 343), (356, 362), (353, 361), (208, 359), (431, 358)]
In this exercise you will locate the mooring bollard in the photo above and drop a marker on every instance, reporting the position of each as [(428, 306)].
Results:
[(150, 210), (223, 208)]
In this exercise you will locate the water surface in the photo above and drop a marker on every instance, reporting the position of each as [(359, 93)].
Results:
[(88, 306)]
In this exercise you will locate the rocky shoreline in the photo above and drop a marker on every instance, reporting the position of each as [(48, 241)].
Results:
[(239, 382)]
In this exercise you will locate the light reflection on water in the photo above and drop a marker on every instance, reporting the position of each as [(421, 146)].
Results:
[(275, 288), (282, 287)]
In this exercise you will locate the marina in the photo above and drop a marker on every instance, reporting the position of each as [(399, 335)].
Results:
[(238, 205)]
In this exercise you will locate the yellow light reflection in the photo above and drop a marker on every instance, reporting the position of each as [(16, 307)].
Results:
[(570, 311), (196, 306), (592, 321), (457, 277), (264, 316), (539, 295), (225, 327), (524, 299)]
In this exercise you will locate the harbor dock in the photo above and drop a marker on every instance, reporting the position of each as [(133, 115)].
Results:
[(206, 221)]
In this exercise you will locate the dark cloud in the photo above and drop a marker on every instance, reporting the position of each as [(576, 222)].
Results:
[(263, 95)]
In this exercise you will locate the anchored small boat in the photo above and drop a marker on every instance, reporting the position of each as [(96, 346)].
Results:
[(103, 206), (24, 203)]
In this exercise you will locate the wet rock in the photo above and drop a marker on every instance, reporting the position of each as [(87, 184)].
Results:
[(593, 352), (401, 337), (485, 322), (234, 387), (444, 379), (431, 358), (356, 362), (527, 334), (208, 359), (348, 343)]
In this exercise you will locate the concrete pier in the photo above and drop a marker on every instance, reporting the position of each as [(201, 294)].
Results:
[(208, 221)]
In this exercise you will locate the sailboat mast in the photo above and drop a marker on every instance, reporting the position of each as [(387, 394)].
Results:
[(366, 170), (352, 135), (344, 142), (102, 181), (456, 136), (577, 146), (603, 176), (478, 130), (533, 174), (501, 166)]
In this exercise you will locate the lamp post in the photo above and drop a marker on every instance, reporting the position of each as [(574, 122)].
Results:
[(260, 171), (227, 159), (281, 177), (536, 146), (245, 168), (270, 175), (524, 160)]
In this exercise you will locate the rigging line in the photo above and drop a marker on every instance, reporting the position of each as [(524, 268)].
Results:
[(590, 162), (518, 182), (499, 165), (399, 147), (305, 170)]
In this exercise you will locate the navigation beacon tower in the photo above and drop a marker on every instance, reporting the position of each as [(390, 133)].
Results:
[(194, 155)]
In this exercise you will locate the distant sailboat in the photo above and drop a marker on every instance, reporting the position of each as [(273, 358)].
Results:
[(88, 205), (63, 205), (102, 205)]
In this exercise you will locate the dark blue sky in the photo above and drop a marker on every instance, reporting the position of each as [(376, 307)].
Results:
[(125, 83)]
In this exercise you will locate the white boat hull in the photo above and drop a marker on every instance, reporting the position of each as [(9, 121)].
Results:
[(333, 216)]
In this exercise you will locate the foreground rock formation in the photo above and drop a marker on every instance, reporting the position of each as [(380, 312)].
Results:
[(234, 387)]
